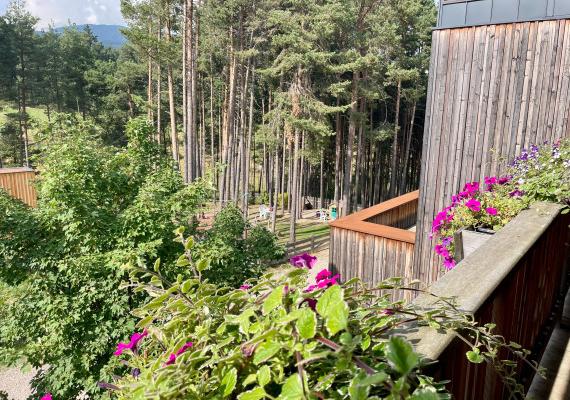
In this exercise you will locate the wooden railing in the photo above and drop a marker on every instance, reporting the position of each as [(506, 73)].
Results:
[(375, 243), (17, 182), (516, 280)]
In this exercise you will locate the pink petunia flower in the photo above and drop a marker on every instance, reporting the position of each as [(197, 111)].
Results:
[(449, 263), (491, 211), (172, 358), (324, 274), (46, 396), (473, 205), (471, 188), (304, 260), (245, 287), (132, 345)]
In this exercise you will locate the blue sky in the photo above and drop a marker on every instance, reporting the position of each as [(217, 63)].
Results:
[(59, 12)]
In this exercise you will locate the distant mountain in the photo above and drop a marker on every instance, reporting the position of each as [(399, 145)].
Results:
[(108, 35)]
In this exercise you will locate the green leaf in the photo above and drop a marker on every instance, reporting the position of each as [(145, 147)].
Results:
[(274, 300), (357, 391), (157, 265), (265, 351), (229, 382), (254, 394), (401, 355), (264, 375), (189, 243), (182, 261), (203, 265), (475, 356), (425, 394), (307, 323), (334, 309), (292, 389)]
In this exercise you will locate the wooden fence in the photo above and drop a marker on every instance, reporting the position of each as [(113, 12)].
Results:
[(18, 183), (516, 280), (375, 244)]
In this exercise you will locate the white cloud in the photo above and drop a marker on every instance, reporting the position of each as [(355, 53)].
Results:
[(61, 12)]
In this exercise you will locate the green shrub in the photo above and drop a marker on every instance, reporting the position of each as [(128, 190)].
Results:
[(277, 337), (61, 264), (235, 252)]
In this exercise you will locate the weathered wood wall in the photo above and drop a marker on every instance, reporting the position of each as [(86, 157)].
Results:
[(493, 91), (18, 183), (375, 244)]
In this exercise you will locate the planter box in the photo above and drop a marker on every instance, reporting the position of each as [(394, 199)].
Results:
[(466, 242)]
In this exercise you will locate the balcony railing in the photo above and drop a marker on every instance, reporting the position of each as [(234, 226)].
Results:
[(376, 243), (516, 280)]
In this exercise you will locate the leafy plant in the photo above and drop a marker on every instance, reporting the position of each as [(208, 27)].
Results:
[(60, 264), (541, 174), (235, 251), (278, 338)]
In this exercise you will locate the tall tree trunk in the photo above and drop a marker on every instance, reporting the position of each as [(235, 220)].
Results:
[(346, 192), (408, 144), (321, 181), (159, 89), (171, 103), (293, 196), (338, 158), (150, 113), (245, 188), (229, 123), (394, 163)]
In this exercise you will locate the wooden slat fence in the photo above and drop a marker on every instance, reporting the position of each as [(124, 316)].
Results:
[(493, 91), (17, 182), (375, 244)]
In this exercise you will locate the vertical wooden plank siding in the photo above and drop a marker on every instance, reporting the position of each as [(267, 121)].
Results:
[(375, 244), (17, 182), (493, 91)]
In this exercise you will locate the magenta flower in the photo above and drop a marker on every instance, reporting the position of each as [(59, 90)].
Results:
[(491, 211), (471, 188), (449, 263), (245, 287), (304, 260), (504, 180), (473, 205), (46, 396), (516, 193), (446, 241), (442, 251), (132, 345), (323, 281), (490, 182), (324, 274), (172, 358)]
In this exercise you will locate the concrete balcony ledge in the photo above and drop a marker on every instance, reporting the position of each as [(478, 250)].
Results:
[(514, 280), (476, 278)]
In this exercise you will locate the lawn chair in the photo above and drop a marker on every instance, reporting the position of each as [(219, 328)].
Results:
[(264, 212), (323, 215)]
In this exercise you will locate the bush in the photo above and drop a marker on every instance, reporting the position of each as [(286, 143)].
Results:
[(276, 337), (235, 252), (61, 264)]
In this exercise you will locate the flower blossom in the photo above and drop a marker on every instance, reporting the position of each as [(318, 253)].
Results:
[(132, 345), (491, 181), (449, 263), (491, 210), (516, 193), (304, 260), (323, 280), (46, 396), (182, 350), (471, 188), (473, 205), (245, 287)]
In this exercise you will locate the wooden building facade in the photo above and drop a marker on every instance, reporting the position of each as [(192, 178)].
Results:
[(494, 90), (18, 183)]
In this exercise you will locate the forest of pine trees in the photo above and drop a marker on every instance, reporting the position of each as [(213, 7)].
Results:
[(288, 99)]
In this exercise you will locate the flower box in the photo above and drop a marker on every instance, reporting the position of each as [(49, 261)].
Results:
[(467, 241)]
